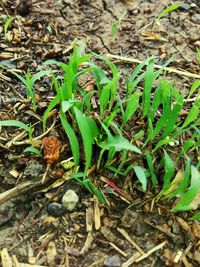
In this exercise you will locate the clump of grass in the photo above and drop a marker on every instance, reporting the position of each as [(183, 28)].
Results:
[(157, 107)]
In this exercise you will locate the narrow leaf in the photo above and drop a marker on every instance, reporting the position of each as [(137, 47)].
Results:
[(16, 123), (72, 138), (33, 150), (139, 171), (151, 168), (169, 170), (86, 135), (185, 203)]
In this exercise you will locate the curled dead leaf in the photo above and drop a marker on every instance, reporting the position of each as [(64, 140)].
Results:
[(52, 148)]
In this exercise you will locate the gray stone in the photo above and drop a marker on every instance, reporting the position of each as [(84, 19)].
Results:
[(113, 261), (33, 169), (196, 18)]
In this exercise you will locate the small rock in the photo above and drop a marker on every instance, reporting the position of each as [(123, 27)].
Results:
[(6, 213), (129, 218), (134, 12), (183, 224), (24, 7), (113, 261), (147, 10), (197, 43), (193, 5), (196, 18), (70, 199), (178, 40), (176, 228), (56, 209), (33, 169)]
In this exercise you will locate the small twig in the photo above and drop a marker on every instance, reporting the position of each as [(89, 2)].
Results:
[(4, 8), (28, 141), (13, 192), (46, 172), (151, 251), (168, 69), (87, 244), (131, 260), (161, 229), (118, 249), (135, 245)]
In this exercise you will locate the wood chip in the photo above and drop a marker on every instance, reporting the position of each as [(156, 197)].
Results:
[(178, 256), (5, 258), (135, 245), (160, 246), (51, 253), (168, 69), (97, 217), (87, 244), (6, 55), (131, 260), (183, 224), (89, 219), (118, 249)]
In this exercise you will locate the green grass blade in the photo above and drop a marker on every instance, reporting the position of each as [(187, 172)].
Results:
[(196, 216), (104, 98), (72, 138), (131, 82), (161, 97), (148, 82), (67, 88), (168, 10), (119, 143), (66, 105), (184, 183), (52, 62), (140, 173), (52, 104), (86, 135), (94, 130), (123, 161), (131, 106), (33, 150), (40, 74), (169, 171), (159, 126), (185, 203), (16, 123), (193, 114), (97, 192), (8, 23), (109, 119), (172, 118), (151, 169), (194, 87), (161, 143), (20, 78)]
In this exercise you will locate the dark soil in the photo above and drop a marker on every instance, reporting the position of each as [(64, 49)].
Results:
[(34, 227)]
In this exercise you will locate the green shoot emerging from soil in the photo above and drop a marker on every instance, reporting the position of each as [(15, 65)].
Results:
[(167, 10), (152, 131)]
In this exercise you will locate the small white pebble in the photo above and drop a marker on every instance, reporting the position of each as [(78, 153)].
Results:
[(70, 199)]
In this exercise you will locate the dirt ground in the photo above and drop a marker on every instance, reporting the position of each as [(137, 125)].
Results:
[(34, 228)]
